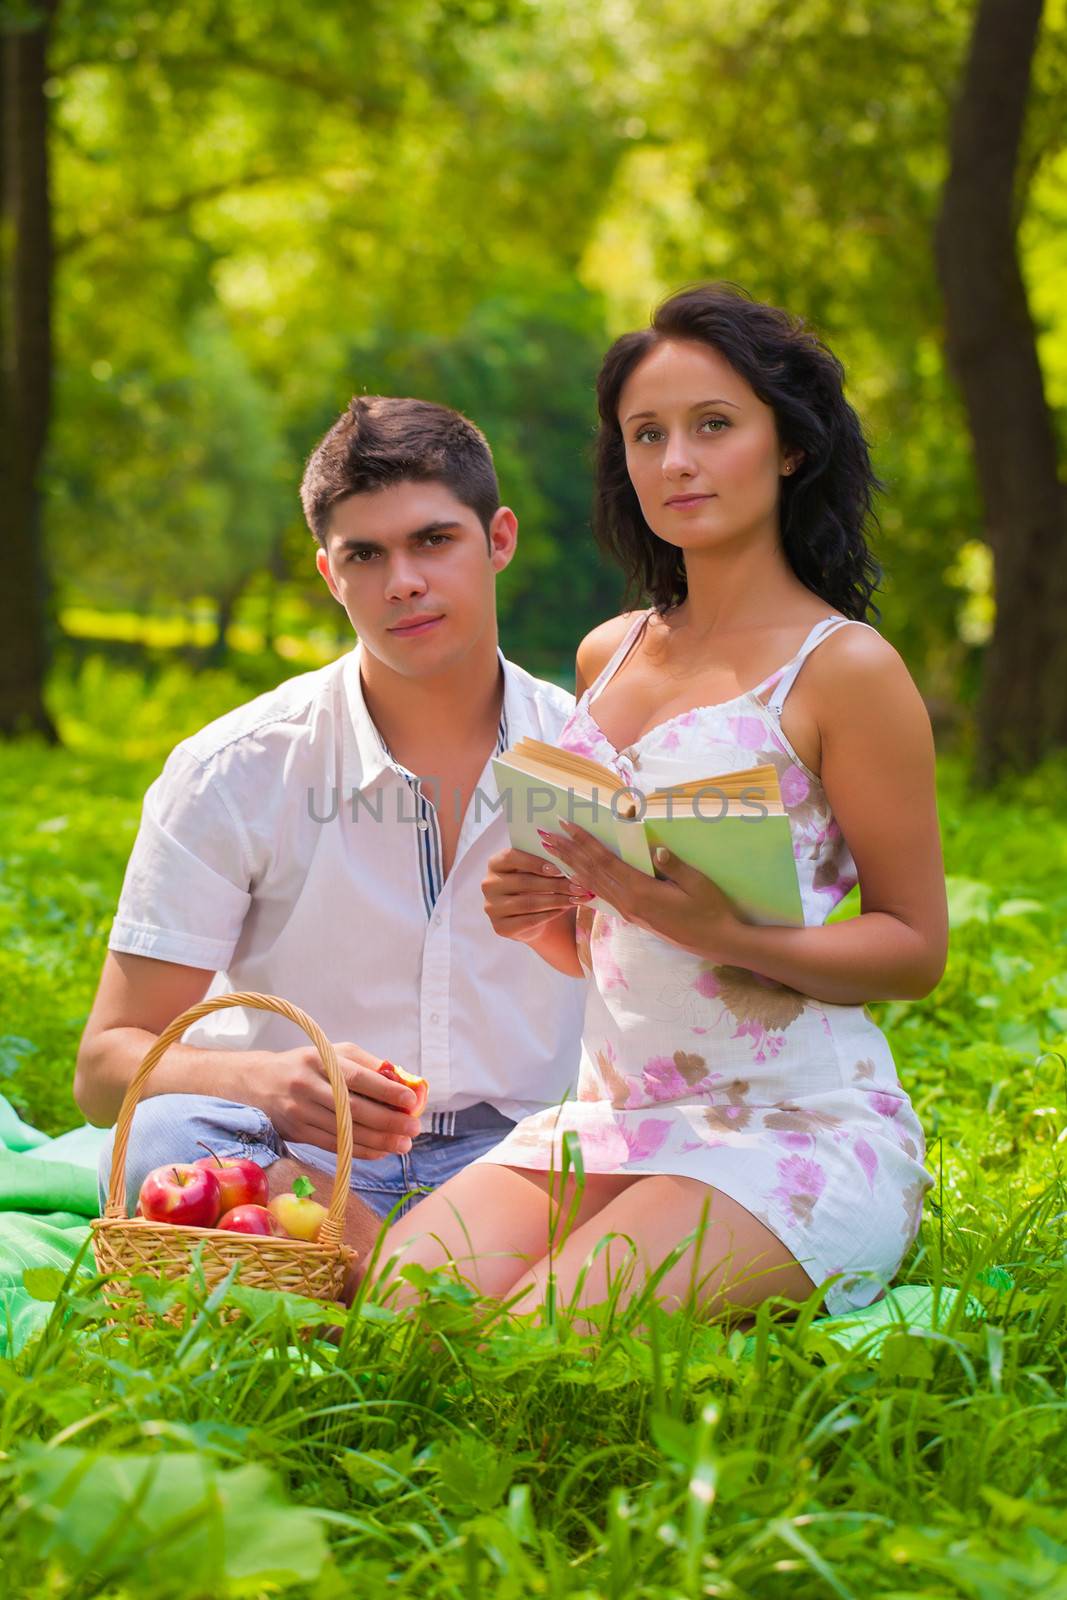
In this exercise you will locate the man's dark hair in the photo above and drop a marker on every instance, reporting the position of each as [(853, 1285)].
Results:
[(826, 504), (379, 441)]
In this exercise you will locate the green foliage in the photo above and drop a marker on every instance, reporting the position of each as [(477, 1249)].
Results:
[(468, 200)]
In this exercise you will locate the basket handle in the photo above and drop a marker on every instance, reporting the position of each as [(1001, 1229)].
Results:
[(332, 1229)]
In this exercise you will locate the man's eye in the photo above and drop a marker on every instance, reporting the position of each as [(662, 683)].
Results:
[(443, 537), (357, 556)]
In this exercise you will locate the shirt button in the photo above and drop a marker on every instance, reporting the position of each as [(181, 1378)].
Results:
[(422, 824), (434, 1017)]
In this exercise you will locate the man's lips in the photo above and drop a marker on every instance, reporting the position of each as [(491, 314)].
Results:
[(687, 499), (415, 624)]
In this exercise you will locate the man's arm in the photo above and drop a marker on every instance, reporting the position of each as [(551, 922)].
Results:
[(136, 999)]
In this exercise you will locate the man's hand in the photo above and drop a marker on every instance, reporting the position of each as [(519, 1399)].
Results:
[(294, 1091), (524, 894)]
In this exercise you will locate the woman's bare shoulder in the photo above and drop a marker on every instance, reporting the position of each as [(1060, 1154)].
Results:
[(600, 644), (857, 670)]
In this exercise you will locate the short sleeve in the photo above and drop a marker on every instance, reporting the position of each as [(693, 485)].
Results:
[(186, 891)]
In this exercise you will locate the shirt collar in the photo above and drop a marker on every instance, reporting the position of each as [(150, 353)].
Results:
[(367, 755)]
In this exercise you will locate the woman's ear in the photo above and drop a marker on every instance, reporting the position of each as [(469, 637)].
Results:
[(790, 463)]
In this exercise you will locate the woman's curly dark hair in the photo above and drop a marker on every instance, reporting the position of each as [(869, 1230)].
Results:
[(826, 504)]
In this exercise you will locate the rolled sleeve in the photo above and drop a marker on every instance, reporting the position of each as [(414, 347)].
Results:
[(186, 890)]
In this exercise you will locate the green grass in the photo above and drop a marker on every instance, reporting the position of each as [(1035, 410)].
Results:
[(459, 1453)]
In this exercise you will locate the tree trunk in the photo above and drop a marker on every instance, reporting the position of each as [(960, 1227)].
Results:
[(993, 354), (25, 371)]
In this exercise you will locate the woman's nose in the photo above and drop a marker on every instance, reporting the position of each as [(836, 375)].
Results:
[(678, 456)]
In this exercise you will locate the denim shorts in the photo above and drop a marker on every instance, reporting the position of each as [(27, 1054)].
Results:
[(169, 1127)]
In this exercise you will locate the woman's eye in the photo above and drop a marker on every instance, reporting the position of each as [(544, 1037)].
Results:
[(717, 423), (643, 434)]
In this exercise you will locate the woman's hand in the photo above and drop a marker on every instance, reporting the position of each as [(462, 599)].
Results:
[(679, 904), (524, 895)]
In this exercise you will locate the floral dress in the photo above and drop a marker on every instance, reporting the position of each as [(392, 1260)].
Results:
[(789, 1105)]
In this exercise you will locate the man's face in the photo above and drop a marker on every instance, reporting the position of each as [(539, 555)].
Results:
[(413, 569)]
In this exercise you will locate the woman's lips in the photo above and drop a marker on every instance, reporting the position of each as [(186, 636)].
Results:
[(415, 628), (683, 501)]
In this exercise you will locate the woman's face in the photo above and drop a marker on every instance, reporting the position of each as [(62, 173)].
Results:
[(701, 449)]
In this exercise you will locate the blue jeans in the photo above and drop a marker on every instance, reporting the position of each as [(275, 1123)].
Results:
[(167, 1128)]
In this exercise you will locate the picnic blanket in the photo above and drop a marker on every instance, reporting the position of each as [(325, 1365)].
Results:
[(47, 1195), (48, 1192)]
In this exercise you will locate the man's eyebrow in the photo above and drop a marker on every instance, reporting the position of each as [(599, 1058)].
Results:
[(354, 543), (634, 415)]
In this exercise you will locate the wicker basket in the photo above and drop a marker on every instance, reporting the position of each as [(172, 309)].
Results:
[(128, 1245)]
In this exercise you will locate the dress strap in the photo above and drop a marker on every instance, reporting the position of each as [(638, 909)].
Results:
[(627, 643), (786, 676)]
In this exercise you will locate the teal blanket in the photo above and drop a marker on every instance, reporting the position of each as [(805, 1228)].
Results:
[(48, 1193)]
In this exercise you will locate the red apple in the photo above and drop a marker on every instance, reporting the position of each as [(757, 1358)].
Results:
[(300, 1216), (419, 1085), (249, 1219), (241, 1180), (184, 1193)]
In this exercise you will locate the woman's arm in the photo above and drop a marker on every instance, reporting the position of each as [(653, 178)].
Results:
[(879, 777), (878, 772)]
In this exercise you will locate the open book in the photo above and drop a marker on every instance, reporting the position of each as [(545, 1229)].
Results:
[(731, 826)]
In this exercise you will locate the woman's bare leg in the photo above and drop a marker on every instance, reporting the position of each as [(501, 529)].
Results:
[(493, 1222), (737, 1263)]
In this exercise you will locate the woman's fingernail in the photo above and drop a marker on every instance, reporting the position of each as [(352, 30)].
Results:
[(582, 894), (553, 872)]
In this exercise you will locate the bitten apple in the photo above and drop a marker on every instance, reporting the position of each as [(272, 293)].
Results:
[(241, 1180), (249, 1219), (299, 1215), (184, 1193), (419, 1085)]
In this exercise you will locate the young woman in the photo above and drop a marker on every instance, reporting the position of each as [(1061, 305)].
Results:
[(731, 1081)]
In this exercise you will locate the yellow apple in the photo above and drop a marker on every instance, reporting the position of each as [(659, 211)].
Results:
[(297, 1212)]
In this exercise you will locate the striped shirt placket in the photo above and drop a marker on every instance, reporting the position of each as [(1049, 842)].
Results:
[(431, 860)]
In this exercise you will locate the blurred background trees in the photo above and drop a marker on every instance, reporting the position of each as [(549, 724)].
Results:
[(260, 209)]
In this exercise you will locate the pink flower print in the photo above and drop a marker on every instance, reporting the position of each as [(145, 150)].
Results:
[(662, 1080), (748, 732), (671, 740), (794, 786), (646, 1140), (867, 1160), (672, 1077), (608, 972), (886, 1105), (803, 1181), (794, 1141), (707, 984), (604, 1148), (766, 1043)]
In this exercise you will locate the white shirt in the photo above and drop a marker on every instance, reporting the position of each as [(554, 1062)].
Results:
[(283, 847)]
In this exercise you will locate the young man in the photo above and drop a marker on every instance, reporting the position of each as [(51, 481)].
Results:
[(327, 843)]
